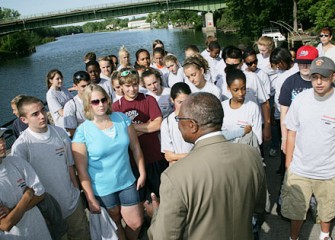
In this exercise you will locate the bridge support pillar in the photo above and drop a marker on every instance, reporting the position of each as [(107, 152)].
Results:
[(208, 24)]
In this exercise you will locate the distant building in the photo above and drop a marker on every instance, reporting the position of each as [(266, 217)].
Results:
[(141, 24)]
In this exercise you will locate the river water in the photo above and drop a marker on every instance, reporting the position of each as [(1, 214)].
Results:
[(27, 75)]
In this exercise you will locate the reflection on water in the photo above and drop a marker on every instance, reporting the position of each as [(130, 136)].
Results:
[(27, 75)]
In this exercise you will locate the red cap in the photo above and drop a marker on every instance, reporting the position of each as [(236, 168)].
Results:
[(306, 54)]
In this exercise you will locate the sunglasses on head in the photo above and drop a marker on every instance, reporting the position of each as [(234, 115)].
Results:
[(249, 64), (127, 72), (81, 77), (323, 35), (96, 102)]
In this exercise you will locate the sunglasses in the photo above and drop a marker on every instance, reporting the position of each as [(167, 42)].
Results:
[(127, 72), (96, 102), (323, 35), (249, 64)]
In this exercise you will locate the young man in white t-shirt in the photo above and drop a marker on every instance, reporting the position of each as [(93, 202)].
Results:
[(310, 151), (48, 150)]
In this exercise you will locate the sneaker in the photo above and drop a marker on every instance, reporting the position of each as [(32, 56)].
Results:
[(273, 152)]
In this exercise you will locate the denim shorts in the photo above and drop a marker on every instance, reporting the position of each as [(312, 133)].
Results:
[(126, 197)]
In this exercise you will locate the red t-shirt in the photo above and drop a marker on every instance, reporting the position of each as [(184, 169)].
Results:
[(142, 109)]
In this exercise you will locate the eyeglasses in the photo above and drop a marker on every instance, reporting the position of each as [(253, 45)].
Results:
[(323, 35), (96, 102), (249, 64), (315, 77), (127, 72), (182, 118)]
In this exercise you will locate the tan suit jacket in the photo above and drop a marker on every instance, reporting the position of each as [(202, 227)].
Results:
[(211, 194)]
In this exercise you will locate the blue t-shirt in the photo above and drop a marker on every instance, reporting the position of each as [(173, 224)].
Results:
[(108, 159), (292, 86)]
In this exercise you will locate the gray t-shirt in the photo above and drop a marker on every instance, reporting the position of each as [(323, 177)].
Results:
[(15, 175), (313, 120), (50, 159), (56, 100), (74, 113)]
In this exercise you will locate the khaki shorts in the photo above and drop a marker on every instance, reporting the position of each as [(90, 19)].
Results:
[(296, 194)]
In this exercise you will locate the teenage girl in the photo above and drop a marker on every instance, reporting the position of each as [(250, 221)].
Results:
[(158, 61), (241, 116), (116, 86), (124, 58), (142, 58), (172, 143), (195, 68), (152, 81), (57, 96), (176, 73)]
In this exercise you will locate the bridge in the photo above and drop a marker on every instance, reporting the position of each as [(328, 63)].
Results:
[(132, 7)]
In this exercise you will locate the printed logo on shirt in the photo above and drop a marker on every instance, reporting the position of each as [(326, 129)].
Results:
[(241, 123), (328, 120), (60, 151), (21, 183), (132, 114)]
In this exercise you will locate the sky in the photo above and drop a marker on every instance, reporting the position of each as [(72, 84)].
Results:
[(31, 7)]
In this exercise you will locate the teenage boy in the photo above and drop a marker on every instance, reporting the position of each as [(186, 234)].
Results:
[(20, 191), (146, 116), (48, 149), (74, 109), (310, 151)]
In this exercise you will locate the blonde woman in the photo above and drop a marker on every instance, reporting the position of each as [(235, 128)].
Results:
[(100, 149)]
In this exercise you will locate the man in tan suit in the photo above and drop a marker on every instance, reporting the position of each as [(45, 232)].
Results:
[(214, 191)]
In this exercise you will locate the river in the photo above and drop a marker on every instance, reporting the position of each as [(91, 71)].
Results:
[(27, 75)]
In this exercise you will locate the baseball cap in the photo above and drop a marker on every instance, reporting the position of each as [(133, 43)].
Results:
[(2, 131), (306, 54), (322, 65)]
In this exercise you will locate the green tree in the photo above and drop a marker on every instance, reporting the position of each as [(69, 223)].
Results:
[(6, 13)]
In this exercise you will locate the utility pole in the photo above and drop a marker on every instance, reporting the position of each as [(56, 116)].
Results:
[(295, 18)]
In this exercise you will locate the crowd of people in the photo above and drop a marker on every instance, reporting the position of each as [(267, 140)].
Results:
[(180, 142)]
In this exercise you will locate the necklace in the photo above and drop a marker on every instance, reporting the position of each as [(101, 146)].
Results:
[(102, 125)]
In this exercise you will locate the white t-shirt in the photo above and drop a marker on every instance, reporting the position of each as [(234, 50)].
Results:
[(265, 80), (209, 87), (330, 52), (279, 83), (74, 113), (105, 84), (313, 120), (164, 102), (212, 63), (15, 175), (255, 89), (175, 78), (171, 138), (56, 100), (265, 65), (247, 114)]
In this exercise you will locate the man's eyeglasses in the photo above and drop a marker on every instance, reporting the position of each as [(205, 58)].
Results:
[(182, 118), (249, 64), (127, 72), (96, 102), (323, 35)]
